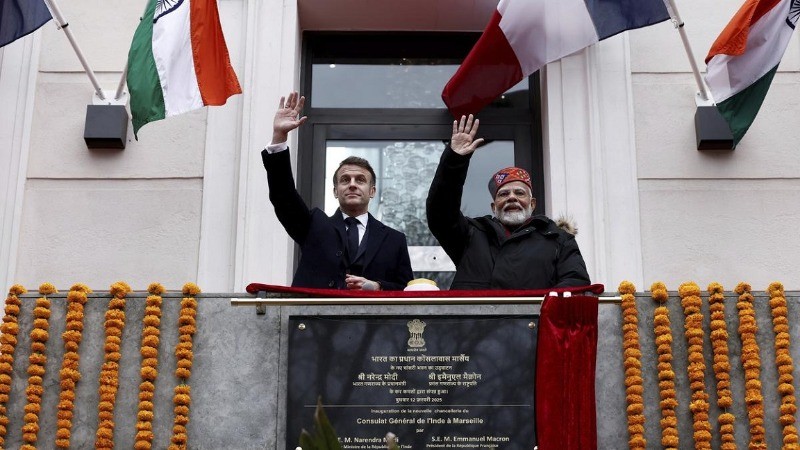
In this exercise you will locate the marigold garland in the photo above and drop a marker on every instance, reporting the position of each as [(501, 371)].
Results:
[(666, 375), (70, 373), (693, 323), (722, 365), (36, 368), (109, 373), (751, 362), (184, 356), (632, 355), (783, 360), (8, 345), (149, 350)]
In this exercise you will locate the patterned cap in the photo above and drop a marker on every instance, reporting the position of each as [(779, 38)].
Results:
[(508, 175)]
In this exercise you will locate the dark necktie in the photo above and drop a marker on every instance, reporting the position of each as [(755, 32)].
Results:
[(352, 237)]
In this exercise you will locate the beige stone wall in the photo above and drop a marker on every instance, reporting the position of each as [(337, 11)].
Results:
[(191, 194), (721, 216)]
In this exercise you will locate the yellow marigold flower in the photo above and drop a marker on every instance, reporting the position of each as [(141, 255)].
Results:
[(181, 410), (775, 289), (186, 320), (71, 336), (144, 426), (17, 289), (637, 442), (741, 288), (12, 310), (68, 395), (36, 370), (120, 289), (47, 289), (668, 403), (635, 389), (715, 288), (190, 289), (152, 321), (787, 419), (155, 289), (114, 332), (115, 314), (189, 302), (149, 373), (114, 323), (39, 335), (150, 341), (10, 328), (37, 358), (116, 303), (148, 352), (183, 353), (152, 311), (111, 347)]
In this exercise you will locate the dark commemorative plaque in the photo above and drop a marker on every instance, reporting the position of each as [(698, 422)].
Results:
[(457, 382)]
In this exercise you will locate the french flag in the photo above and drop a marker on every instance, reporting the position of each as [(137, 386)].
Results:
[(19, 18), (524, 35)]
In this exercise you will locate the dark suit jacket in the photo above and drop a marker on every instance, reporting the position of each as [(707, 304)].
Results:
[(383, 255)]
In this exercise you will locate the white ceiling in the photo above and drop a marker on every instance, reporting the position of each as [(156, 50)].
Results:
[(395, 15)]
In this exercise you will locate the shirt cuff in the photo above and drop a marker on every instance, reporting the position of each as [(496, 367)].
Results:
[(275, 148)]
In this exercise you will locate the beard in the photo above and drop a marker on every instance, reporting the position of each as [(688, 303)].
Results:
[(513, 218)]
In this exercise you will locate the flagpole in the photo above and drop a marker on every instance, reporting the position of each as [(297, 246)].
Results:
[(121, 87), (678, 23), (63, 26)]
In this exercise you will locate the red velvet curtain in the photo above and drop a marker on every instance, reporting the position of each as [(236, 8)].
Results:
[(566, 356)]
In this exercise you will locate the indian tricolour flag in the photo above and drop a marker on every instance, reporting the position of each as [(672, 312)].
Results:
[(744, 59), (178, 61)]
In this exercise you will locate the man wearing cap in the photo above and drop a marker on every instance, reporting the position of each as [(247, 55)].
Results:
[(348, 250), (512, 248)]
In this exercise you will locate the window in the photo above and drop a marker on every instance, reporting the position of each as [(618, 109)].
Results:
[(378, 96)]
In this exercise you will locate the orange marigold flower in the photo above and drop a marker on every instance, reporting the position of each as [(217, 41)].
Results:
[(149, 373), (189, 302), (47, 289), (17, 289), (190, 289), (151, 320)]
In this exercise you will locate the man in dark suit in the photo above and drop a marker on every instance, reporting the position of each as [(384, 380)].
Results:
[(349, 249)]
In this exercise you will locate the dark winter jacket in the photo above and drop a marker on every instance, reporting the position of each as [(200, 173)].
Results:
[(537, 255)]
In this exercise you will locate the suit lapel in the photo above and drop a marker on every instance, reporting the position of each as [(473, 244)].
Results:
[(341, 230), (376, 233)]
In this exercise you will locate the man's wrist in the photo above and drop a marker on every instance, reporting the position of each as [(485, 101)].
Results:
[(279, 137), (275, 148)]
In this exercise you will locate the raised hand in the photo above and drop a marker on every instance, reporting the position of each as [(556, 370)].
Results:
[(463, 140), (287, 118)]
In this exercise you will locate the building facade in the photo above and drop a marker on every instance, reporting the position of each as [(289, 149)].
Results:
[(609, 133)]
